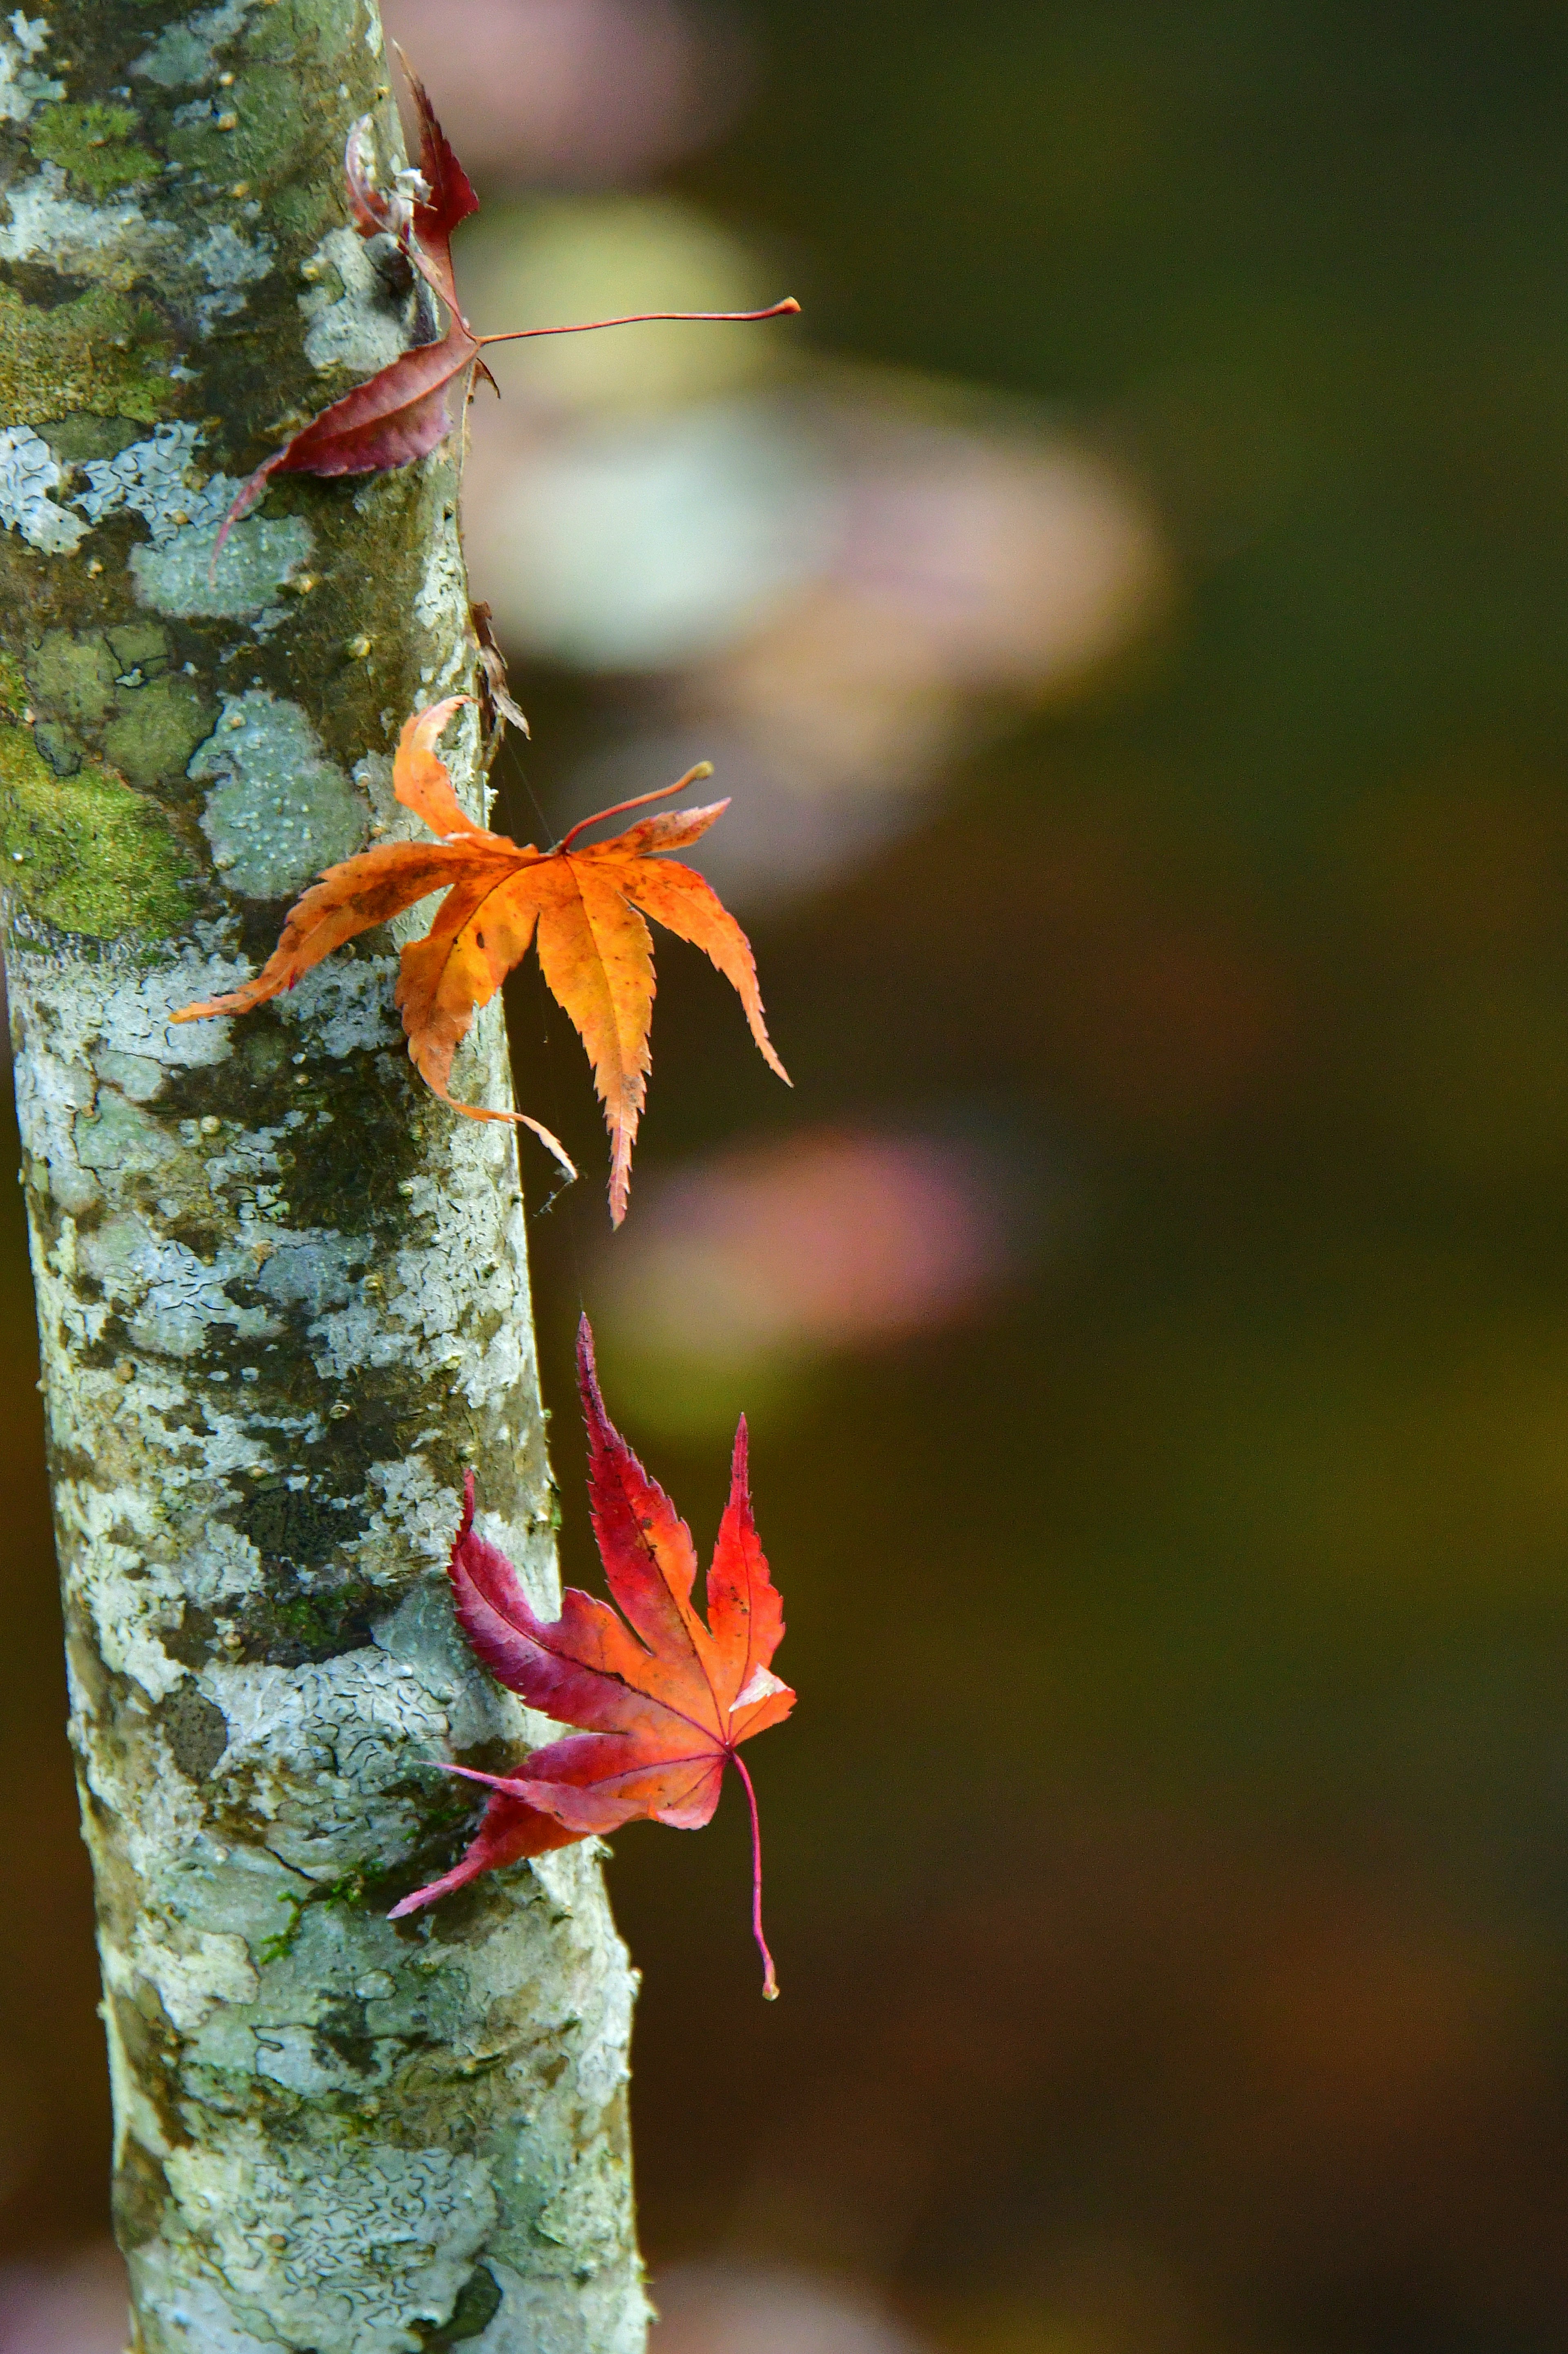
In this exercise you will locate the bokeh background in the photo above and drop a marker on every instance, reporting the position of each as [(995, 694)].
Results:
[(1130, 613)]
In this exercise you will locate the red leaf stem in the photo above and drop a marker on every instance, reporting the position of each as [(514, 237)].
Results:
[(785, 309)]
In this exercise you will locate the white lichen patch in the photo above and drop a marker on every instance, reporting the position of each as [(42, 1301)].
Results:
[(159, 1819), (343, 1007), (602, 2066), (117, 1134), (30, 471), (363, 328), (441, 606), (422, 1634), (222, 1564), (193, 1970), (313, 1270), (112, 242), (23, 86), (586, 2195), (129, 1611), (328, 1755), (137, 1077), (113, 1006), (182, 2309), (604, 2316), (338, 2253), (415, 1503), (171, 1300), (320, 1959), (229, 263), (261, 555), (157, 479), (243, 1892), (184, 55), (282, 810), (115, 1003), (450, 1304)]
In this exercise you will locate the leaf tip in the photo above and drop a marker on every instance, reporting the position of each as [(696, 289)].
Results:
[(601, 1431), (245, 498), (587, 1371), (619, 1176), (553, 1145)]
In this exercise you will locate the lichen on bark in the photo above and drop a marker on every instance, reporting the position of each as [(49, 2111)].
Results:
[(282, 1293)]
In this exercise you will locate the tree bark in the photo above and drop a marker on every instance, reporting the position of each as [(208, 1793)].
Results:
[(283, 1292)]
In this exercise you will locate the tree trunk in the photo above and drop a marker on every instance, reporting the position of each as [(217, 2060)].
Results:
[(282, 1293)]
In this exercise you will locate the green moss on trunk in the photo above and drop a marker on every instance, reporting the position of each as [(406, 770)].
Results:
[(84, 851)]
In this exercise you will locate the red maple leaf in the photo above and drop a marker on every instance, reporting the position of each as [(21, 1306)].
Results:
[(403, 412), (665, 1700)]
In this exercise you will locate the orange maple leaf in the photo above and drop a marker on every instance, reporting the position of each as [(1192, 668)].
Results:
[(584, 907)]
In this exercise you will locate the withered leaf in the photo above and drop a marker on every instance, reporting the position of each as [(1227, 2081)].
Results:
[(402, 413)]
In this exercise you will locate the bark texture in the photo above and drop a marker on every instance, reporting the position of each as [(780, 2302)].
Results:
[(282, 1293)]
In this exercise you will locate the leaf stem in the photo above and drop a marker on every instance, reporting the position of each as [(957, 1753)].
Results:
[(640, 318), (769, 1976), (618, 809)]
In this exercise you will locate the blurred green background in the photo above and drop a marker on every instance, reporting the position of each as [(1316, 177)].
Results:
[(1167, 1858)]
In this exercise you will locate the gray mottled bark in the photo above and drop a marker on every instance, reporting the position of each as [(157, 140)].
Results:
[(281, 1291)]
